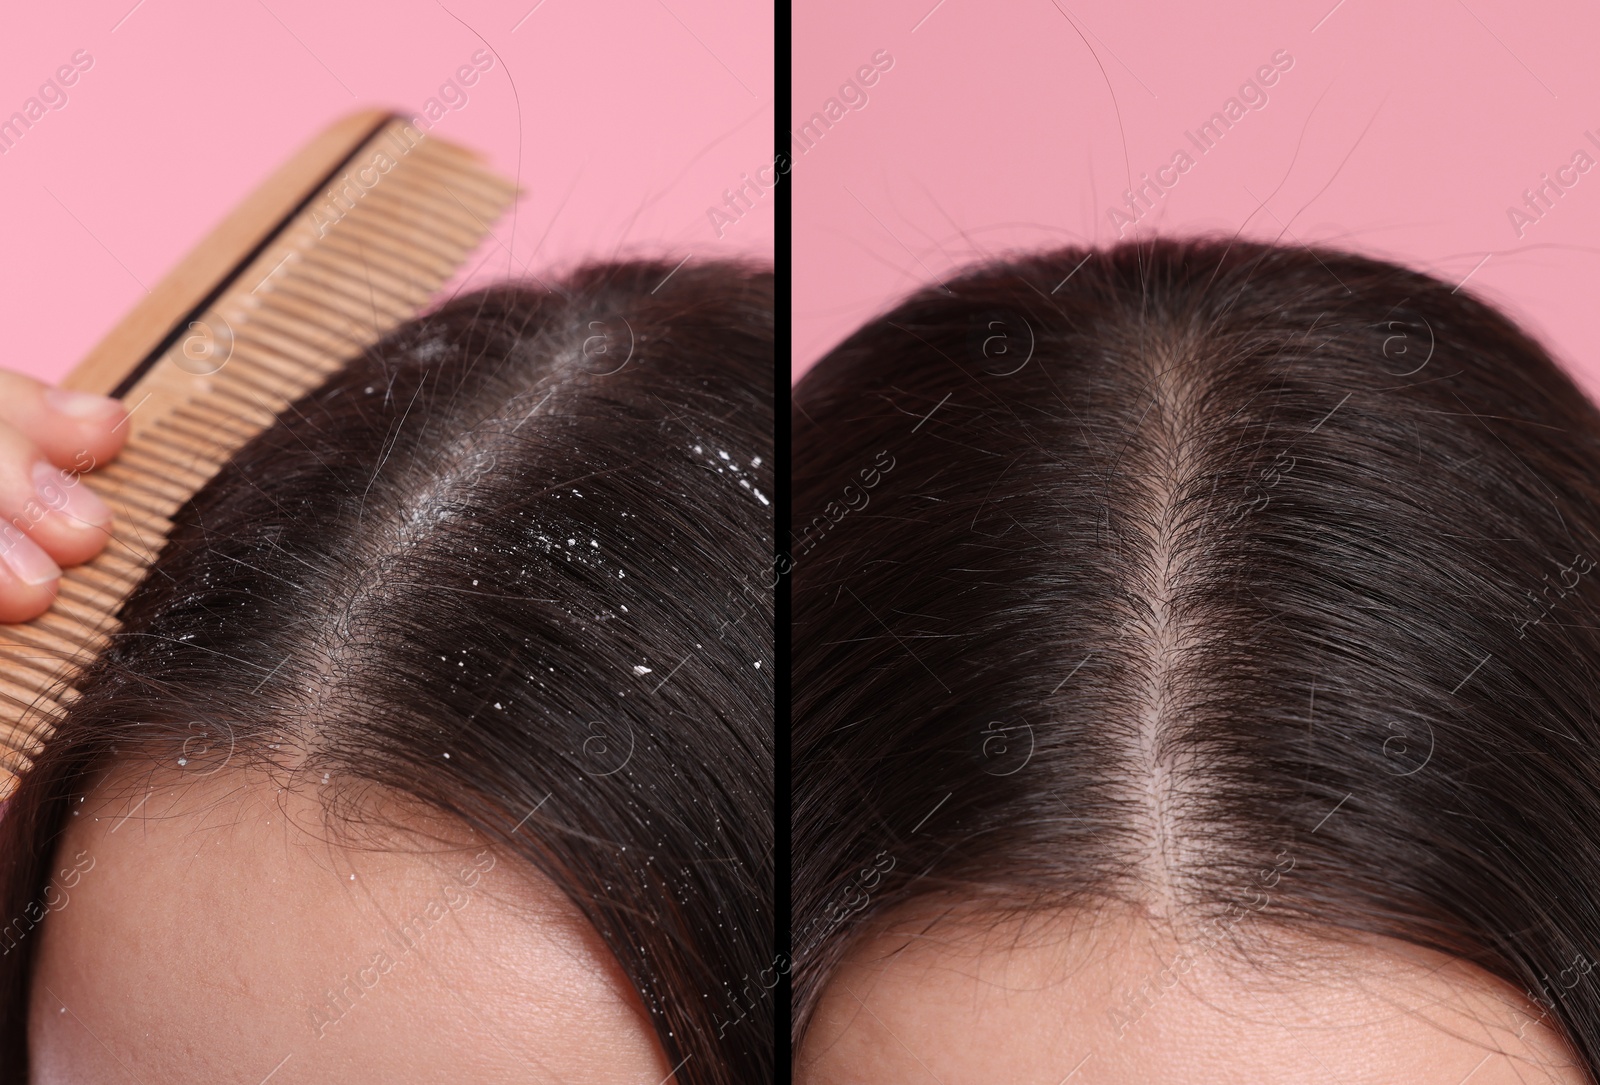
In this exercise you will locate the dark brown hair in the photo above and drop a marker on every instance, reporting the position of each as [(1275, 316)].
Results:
[(514, 560), (1203, 566)]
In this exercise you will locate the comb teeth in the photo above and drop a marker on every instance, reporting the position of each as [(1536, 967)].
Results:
[(344, 270)]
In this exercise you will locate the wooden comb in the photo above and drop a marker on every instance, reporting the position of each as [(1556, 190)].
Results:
[(348, 239)]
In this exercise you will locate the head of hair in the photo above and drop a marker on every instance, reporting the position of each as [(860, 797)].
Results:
[(509, 563), (1161, 575)]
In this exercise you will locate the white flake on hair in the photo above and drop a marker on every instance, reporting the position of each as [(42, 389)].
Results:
[(430, 349)]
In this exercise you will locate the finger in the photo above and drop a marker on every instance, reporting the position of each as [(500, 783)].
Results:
[(47, 505), (72, 429), (28, 578)]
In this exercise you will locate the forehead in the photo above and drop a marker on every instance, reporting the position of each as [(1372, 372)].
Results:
[(1061, 1000), (214, 928)]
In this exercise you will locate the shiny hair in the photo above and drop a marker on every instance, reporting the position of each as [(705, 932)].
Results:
[(1207, 577), (531, 530)]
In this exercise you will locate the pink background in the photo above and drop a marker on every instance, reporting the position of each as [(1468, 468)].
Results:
[(1403, 130), (635, 116)]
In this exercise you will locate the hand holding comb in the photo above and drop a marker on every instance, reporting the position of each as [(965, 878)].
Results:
[(348, 239)]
